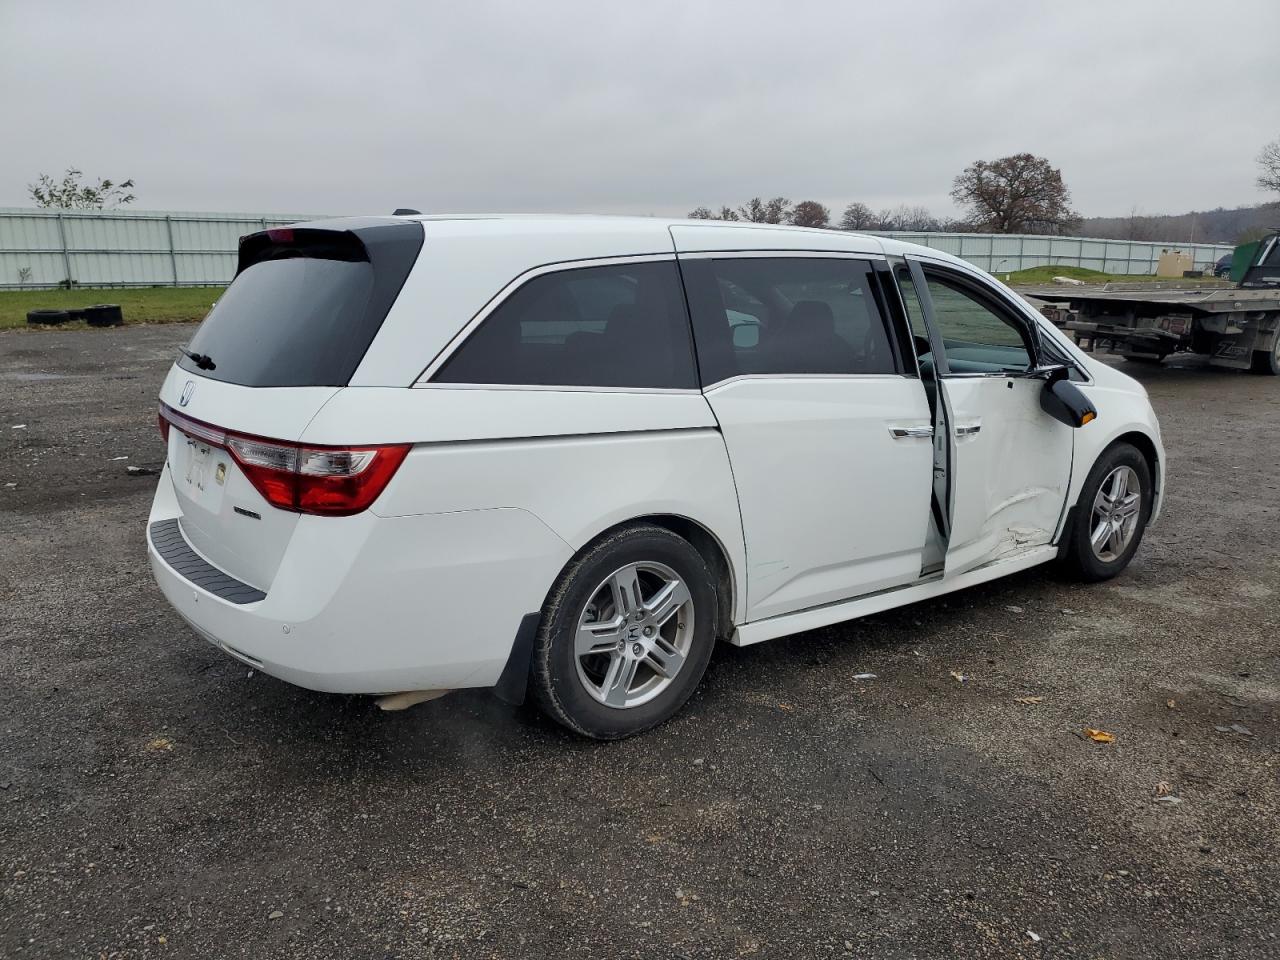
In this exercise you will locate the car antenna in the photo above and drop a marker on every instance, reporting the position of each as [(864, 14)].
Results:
[(406, 212)]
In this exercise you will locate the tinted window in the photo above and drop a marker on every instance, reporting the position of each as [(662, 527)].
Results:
[(786, 315), (305, 305), (977, 335), (616, 326)]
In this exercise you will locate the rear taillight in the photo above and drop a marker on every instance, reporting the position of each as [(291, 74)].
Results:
[(164, 428), (330, 481)]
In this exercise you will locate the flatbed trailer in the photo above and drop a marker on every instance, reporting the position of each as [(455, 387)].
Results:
[(1236, 327)]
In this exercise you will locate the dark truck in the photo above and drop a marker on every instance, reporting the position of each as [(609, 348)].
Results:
[(1235, 327)]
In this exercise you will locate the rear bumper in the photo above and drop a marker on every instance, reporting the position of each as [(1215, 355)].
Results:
[(370, 604)]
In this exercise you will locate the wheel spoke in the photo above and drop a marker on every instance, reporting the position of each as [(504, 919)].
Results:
[(625, 587), (665, 659), (1116, 542), (1129, 505), (617, 680), (1119, 486), (599, 637), (1101, 533), (663, 604)]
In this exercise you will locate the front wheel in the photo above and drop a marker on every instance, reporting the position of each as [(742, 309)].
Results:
[(1111, 514), (626, 634)]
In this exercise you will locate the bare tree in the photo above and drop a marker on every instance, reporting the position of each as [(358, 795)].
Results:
[(1269, 161), (1017, 194), (858, 216), (810, 213), (706, 213), (1138, 227), (903, 217), (756, 210), (71, 194)]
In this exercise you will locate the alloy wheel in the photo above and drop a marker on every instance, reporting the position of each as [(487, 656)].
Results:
[(1116, 511), (634, 634)]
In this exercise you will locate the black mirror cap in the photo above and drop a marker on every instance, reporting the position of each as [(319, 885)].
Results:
[(1066, 403)]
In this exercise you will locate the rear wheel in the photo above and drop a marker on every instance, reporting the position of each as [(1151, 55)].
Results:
[(1267, 362), (626, 634), (1111, 514)]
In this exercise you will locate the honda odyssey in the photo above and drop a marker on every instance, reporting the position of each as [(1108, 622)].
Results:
[(564, 456)]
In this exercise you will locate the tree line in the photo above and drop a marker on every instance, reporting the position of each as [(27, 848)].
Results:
[(1017, 194), (1021, 193)]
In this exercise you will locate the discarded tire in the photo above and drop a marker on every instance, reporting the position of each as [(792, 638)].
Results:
[(104, 315), (48, 316)]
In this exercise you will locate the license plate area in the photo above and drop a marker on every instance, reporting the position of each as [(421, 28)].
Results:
[(202, 472)]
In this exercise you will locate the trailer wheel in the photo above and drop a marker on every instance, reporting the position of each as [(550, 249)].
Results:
[(1267, 362)]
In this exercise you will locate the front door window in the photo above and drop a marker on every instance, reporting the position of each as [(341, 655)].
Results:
[(976, 336)]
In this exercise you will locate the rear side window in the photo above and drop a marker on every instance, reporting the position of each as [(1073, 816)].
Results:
[(787, 315), (623, 325), (304, 306)]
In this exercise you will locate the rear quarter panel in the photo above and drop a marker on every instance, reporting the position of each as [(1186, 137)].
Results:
[(581, 461)]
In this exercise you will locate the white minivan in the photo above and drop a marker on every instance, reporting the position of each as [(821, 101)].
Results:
[(566, 455)]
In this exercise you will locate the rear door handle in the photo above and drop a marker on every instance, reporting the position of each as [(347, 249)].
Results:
[(903, 433), (967, 429)]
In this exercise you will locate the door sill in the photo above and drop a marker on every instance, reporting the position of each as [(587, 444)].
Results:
[(933, 586)]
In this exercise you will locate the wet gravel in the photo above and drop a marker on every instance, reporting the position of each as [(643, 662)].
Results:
[(158, 800)]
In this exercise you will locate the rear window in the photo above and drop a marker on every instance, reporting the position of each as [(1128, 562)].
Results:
[(305, 305)]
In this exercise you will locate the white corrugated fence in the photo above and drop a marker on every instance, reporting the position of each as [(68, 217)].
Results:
[(140, 248), (123, 248)]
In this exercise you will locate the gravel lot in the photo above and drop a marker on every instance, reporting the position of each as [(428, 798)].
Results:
[(157, 800)]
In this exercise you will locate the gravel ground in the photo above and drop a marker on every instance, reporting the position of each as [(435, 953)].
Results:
[(158, 800)]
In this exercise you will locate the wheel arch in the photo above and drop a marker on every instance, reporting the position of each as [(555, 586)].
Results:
[(1150, 449), (1146, 446), (709, 546)]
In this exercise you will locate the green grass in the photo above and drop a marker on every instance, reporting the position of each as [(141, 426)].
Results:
[(1045, 275), (141, 305)]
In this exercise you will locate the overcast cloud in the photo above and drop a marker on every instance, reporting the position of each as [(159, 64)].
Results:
[(635, 107)]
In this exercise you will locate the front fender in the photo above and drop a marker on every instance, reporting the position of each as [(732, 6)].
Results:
[(1122, 415)]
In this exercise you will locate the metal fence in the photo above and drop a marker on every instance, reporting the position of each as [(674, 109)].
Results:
[(1005, 253), (138, 248), (123, 248)]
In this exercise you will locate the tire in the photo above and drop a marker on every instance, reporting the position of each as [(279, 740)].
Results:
[(1267, 362), (104, 315), (48, 316), (1081, 557), (571, 684)]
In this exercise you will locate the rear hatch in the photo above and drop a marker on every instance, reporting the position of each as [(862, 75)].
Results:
[(283, 339)]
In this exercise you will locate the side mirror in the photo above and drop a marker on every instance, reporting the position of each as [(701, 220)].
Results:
[(1065, 402)]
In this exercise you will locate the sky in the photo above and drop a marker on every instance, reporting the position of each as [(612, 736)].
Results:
[(646, 106)]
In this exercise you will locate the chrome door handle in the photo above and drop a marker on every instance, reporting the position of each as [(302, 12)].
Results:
[(968, 429), (902, 433)]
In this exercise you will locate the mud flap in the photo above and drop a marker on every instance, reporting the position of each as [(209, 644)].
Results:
[(1068, 530), (514, 682), (1235, 349)]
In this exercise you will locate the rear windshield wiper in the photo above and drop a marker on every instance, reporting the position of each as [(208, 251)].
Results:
[(201, 360)]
